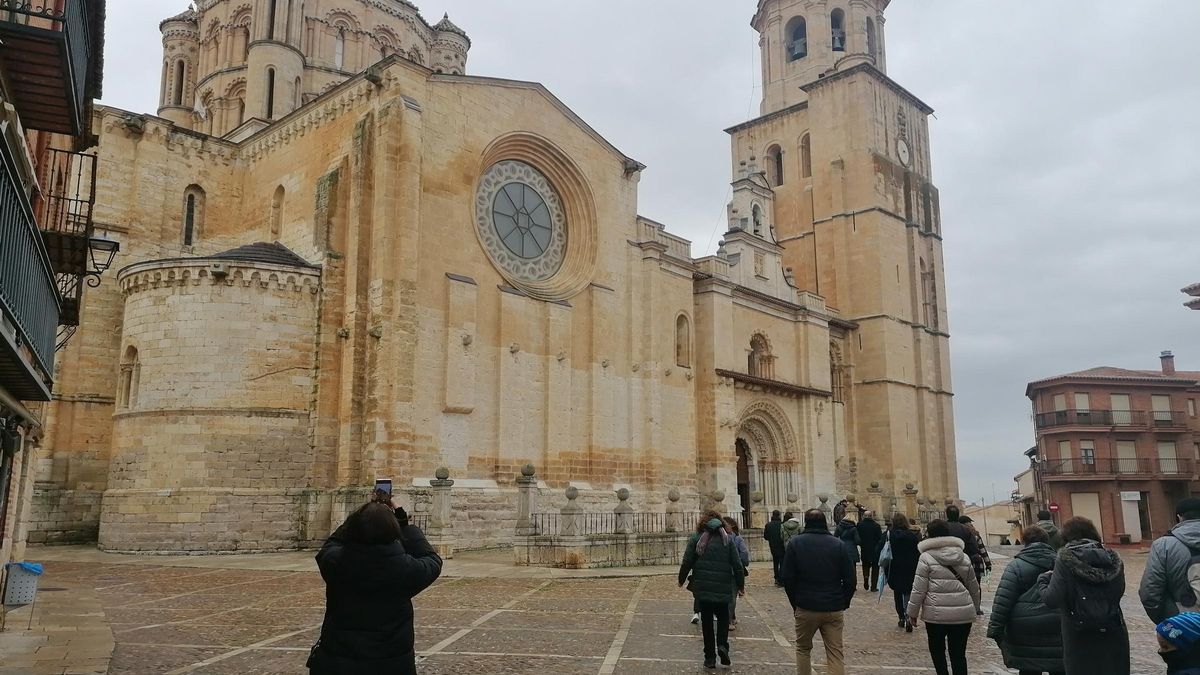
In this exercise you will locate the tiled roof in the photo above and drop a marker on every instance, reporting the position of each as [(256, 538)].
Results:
[(448, 26), (274, 254), (1121, 374)]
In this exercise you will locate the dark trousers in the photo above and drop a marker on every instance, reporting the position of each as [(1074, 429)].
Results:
[(777, 564), (1037, 672), (901, 600), (870, 575), (720, 612), (954, 636)]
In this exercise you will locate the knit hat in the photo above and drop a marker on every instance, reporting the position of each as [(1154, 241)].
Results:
[(1189, 505), (1181, 631)]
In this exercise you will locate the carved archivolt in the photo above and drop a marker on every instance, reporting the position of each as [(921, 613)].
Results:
[(767, 424)]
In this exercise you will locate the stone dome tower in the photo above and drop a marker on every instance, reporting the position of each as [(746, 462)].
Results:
[(246, 63), (181, 42), (803, 40)]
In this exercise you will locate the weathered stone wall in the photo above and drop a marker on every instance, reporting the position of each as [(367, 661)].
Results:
[(64, 516)]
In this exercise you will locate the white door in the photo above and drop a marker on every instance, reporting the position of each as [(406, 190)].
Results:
[(1087, 504)]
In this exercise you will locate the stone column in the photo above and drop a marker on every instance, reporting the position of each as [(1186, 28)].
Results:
[(440, 533), (569, 525), (758, 511), (624, 513), (875, 499), (910, 500), (527, 494), (673, 512), (824, 508)]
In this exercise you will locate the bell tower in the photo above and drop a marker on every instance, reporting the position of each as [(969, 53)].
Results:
[(802, 40), (847, 158)]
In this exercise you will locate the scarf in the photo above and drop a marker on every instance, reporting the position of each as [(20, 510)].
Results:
[(714, 525)]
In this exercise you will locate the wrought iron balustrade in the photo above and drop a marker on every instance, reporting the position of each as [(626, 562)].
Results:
[(1169, 419), (1120, 466), (1092, 418)]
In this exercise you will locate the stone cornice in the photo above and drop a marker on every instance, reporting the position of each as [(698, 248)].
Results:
[(308, 118), (196, 271), (772, 386)]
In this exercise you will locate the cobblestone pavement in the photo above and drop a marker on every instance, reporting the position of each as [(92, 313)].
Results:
[(216, 620)]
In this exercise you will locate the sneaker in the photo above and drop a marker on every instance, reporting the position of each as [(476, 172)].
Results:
[(710, 663), (695, 618), (724, 654), (908, 627), (732, 626), (901, 623)]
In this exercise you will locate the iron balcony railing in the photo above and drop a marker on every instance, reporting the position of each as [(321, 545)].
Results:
[(1091, 418), (1123, 466), (27, 286), (1171, 419), (39, 76)]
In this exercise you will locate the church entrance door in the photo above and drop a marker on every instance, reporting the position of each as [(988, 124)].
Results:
[(743, 475)]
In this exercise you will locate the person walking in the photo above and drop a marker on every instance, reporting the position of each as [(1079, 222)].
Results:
[(373, 566), (1085, 587), (1046, 523), (820, 582), (1024, 628), (902, 570), (1179, 643), (791, 526), (946, 595), (983, 563), (716, 575), (773, 533), (1166, 588), (743, 550), (847, 532), (870, 540)]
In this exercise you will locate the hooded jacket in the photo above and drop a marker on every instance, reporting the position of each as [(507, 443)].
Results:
[(1025, 628), (790, 527), (1052, 532), (945, 590), (1086, 567), (1165, 590), (847, 531), (903, 570), (713, 561)]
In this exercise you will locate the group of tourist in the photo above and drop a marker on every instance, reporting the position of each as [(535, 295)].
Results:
[(1056, 610)]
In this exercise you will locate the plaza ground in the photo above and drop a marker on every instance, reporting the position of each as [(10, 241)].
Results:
[(260, 614)]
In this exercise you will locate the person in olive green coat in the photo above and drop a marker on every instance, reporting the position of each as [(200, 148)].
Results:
[(717, 574), (1026, 630)]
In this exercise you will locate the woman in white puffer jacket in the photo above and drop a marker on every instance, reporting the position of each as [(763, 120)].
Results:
[(946, 594)]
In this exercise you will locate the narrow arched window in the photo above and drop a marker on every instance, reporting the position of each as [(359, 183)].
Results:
[(180, 75), (287, 26), (797, 36), (929, 295), (241, 110), (127, 391), (245, 38), (837, 25), (193, 214), (806, 156), (759, 361), (270, 93), (756, 217), (872, 49), (775, 166), (277, 211), (683, 342), (339, 49), (271, 18), (299, 93), (837, 373)]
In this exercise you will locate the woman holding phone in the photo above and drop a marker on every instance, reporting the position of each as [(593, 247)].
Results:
[(373, 566)]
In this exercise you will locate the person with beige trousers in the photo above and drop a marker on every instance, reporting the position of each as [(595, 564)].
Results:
[(946, 595)]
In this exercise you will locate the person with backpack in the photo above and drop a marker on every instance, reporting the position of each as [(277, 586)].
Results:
[(1179, 643), (773, 533), (945, 594), (713, 572), (1024, 628), (1171, 583), (1085, 587), (791, 527), (1047, 524)]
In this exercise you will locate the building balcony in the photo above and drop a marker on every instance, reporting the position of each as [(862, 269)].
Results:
[(51, 61), (1090, 418), (29, 296), (1169, 420), (1111, 469)]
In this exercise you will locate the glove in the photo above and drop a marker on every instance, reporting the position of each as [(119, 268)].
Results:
[(402, 516)]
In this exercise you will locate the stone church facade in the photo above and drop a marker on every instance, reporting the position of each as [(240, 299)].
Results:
[(345, 259)]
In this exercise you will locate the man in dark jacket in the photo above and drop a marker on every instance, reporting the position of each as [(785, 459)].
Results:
[(1027, 631), (773, 533), (870, 537), (1047, 524), (819, 578), (957, 529), (373, 565), (1165, 590)]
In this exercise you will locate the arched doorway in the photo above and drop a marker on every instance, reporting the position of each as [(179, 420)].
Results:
[(744, 487), (767, 457)]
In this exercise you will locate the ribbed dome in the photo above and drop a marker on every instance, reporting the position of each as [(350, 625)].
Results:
[(448, 26)]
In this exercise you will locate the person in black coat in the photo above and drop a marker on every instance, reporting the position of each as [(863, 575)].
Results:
[(373, 566), (1026, 630), (773, 533), (870, 537), (902, 571)]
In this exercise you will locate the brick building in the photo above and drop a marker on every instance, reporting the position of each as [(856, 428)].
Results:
[(1117, 446)]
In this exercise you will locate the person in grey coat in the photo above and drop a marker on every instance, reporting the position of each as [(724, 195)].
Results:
[(1165, 590), (1025, 629), (1087, 576)]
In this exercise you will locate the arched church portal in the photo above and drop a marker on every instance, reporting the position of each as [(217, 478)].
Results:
[(767, 457)]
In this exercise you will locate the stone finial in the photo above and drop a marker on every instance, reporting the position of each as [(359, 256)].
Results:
[(874, 485), (920, 501), (909, 487), (442, 473), (623, 494), (572, 493), (528, 470), (823, 498), (852, 499), (756, 497), (673, 495), (718, 496)]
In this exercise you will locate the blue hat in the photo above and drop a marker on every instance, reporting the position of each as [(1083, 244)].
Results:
[(1182, 631)]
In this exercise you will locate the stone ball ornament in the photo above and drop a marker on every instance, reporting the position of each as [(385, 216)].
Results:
[(572, 493), (442, 473), (528, 470), (673, 495), (623, 494)]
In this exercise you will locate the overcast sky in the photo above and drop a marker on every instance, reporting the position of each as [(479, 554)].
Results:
[(1065, 147)]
